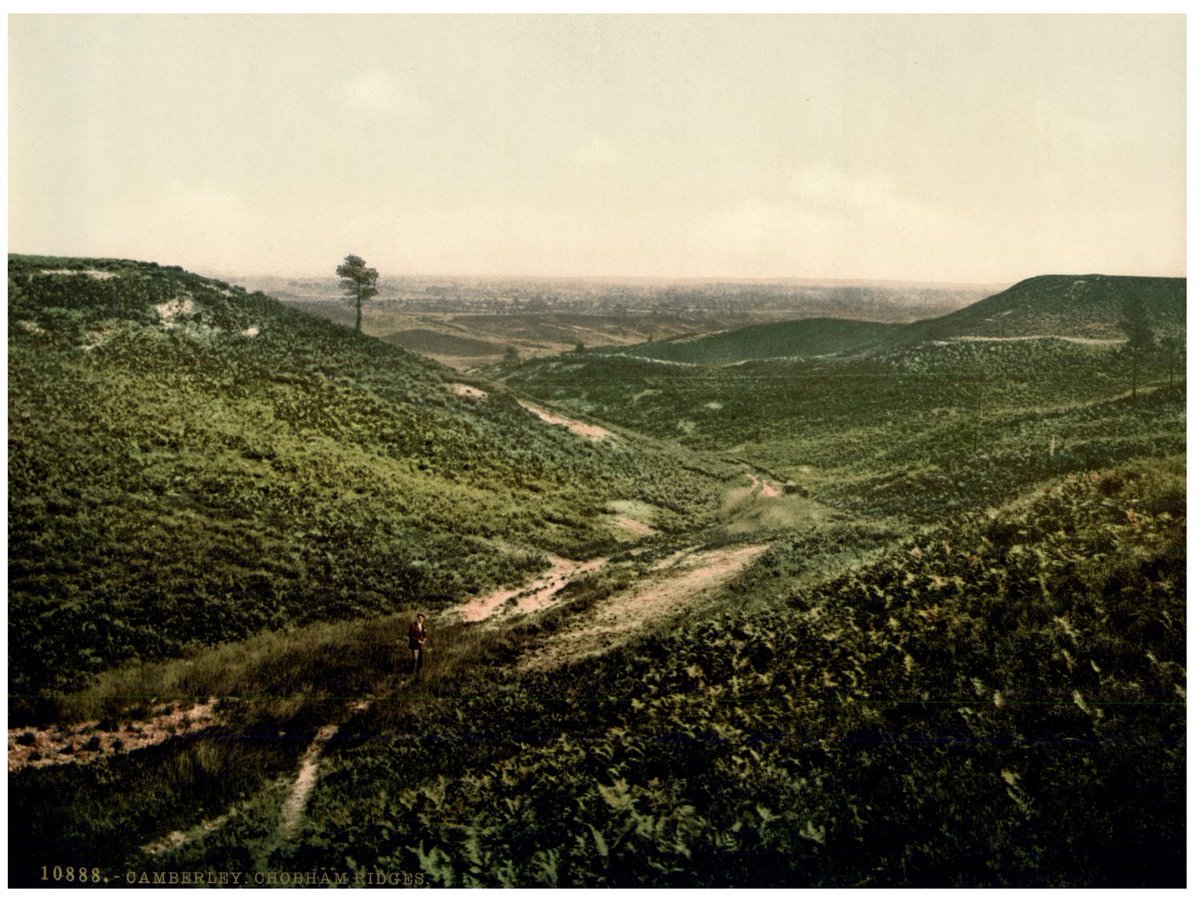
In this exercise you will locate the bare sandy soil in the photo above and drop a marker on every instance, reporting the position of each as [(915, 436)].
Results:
[(293, 808), (82, 742), (633, 527), (467, 391), (587, 430), (98, 274), (534, 596), (662, 596), (759, 487)]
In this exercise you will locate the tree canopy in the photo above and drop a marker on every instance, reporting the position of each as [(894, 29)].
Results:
[(359, 281)]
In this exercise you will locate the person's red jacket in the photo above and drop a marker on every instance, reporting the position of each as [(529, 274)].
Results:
[(416, 634)]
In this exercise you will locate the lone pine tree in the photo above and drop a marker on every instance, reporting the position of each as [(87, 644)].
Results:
[(359, 281)]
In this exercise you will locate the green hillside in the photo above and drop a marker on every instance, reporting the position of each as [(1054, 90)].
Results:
[(192, 464), (982, 709), (1080, 307), (907, 616), (915, 425), (795, 339), (997, 702), (429, 341)]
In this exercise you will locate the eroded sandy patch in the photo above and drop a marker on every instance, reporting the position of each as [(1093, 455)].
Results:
[(771, 490), (760, 488), (533, 596), (98, 274), (467, 391), (83, 742), (633, 527), (169, 311), (622, 616), (587, 430)]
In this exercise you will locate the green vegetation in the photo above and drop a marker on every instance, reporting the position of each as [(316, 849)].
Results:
[(1088, 307), (960, 662), (972, 711), (429, 341), (798, 338), (999, 704), (914, 431), (189, 464)]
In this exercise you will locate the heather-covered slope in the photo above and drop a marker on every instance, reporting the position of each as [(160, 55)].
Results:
[(1088, 307), (190, 463)]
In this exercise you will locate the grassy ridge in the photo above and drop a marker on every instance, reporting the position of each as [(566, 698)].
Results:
[(192, 464), (1090, 306)]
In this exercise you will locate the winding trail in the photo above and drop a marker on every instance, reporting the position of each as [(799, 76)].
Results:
[(534, 596), (291, 814)]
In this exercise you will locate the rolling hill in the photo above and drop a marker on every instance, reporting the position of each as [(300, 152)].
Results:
[(189, 463), (1086, 310), (916, 419), (1088, 307), (938, 639), (804, 338)]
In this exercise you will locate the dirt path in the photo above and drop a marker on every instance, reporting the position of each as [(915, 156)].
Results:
[(177, 838), (291, 814), (293, 808), (84, 742), (467, 391), (587, 430), (660, 597), (532, 597), (1068, 338), (759, 488)]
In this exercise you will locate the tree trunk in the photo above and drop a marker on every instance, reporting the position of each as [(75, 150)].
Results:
[(358, 311)]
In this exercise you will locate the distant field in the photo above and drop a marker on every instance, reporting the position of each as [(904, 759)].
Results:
[(539, 319)]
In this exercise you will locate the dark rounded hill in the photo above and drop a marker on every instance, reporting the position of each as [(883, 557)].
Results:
[(429, 341), (795, 339), (1089, 307)]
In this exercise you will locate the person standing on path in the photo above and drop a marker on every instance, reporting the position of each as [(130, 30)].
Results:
[(417, 634)]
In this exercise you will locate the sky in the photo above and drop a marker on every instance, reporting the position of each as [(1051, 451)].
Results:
[(971, 149)]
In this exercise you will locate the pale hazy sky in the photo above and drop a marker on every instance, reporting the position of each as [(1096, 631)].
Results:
[(971, 149)]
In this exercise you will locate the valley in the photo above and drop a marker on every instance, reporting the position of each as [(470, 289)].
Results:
[(718, 594)]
